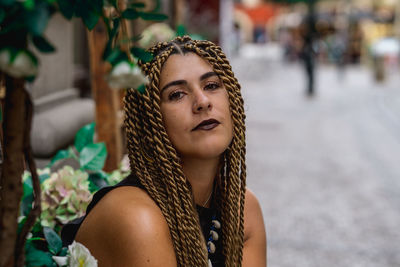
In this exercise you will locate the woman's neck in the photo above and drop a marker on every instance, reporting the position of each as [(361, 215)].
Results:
[(201, 175)]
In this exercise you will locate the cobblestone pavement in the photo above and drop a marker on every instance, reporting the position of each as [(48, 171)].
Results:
[(325, 169)]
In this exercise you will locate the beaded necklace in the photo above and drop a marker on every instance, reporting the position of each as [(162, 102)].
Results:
[(215, 225)]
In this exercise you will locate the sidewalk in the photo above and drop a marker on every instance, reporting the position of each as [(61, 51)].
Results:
[(325, 169)]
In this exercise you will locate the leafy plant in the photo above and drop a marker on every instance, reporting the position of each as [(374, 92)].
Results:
[(91, 156), (22, 26), (65, 196)]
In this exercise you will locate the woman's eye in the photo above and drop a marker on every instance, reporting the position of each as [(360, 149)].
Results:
[(212, 86), (175, 95)]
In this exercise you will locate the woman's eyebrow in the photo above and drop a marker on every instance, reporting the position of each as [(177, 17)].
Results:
[(183, 82), (207, 75), (177, 82)]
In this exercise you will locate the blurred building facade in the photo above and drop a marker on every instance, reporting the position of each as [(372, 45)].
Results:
[(347, 30)]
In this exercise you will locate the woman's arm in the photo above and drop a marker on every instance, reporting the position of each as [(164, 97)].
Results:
[(126, 228), (255, 242)]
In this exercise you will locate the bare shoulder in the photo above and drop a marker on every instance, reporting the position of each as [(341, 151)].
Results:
[(252, 204), (127, 228), (254, 248)]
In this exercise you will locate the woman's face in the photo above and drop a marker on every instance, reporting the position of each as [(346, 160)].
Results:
[(195, 107)]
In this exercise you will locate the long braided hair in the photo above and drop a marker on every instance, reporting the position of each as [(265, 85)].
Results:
[(156, 163)]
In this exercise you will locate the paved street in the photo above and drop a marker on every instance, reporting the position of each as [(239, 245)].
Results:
[(325, 169)]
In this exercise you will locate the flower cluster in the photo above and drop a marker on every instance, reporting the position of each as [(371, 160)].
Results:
[(65, 196)]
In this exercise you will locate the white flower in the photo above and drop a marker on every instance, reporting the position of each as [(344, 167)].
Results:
[(124, 165), (157, 32), (78, 256), (22, 66), (126, 75), (61, 261)]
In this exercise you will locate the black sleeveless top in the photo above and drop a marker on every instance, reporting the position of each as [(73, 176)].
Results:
[(206, 216)]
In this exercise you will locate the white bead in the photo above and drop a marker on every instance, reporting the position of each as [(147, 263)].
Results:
[(216, 224), (211, 246), (214, 235)]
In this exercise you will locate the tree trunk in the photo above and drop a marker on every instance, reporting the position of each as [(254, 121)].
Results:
[(36, 209), (108, 128), (13, 166)]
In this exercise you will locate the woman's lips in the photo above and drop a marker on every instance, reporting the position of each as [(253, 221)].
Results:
[(207, 125)]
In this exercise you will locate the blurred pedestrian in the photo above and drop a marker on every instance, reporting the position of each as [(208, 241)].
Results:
[(308, 51)]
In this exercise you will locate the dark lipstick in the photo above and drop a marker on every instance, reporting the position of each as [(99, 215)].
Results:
[(207, 125)]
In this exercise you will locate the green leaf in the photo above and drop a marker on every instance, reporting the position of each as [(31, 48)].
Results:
[(67, 8), (130, 13), (117, 56), (115, 28), (37, 229), (61, 154), (108, 48), (137, 5), (35, 257), (97, 180), (27, 187), (6, 2), (142, 54), (96, 5), (180, 30), (84, 136), (2, 15), (90, 19), (153, 16), (93, 156), (63, 252), (141, 88), (43, 177), (53, 240), (35, 239), (29, 4), (88, 13), (113, 55), (30, 79), (42, 44), (37, 19), (13, 53), (26, 205)]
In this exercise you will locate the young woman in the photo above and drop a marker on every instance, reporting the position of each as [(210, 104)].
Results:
[(185, 203)]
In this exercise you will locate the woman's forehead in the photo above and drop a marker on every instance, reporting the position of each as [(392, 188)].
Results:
[(187, 57), (179, 66)]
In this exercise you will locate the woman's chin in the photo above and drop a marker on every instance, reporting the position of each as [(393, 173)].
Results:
[(207, 152)]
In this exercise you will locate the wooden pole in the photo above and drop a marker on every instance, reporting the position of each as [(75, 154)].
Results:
[(107, 100)]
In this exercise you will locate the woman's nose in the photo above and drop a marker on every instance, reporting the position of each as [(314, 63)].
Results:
[(202, 102)]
